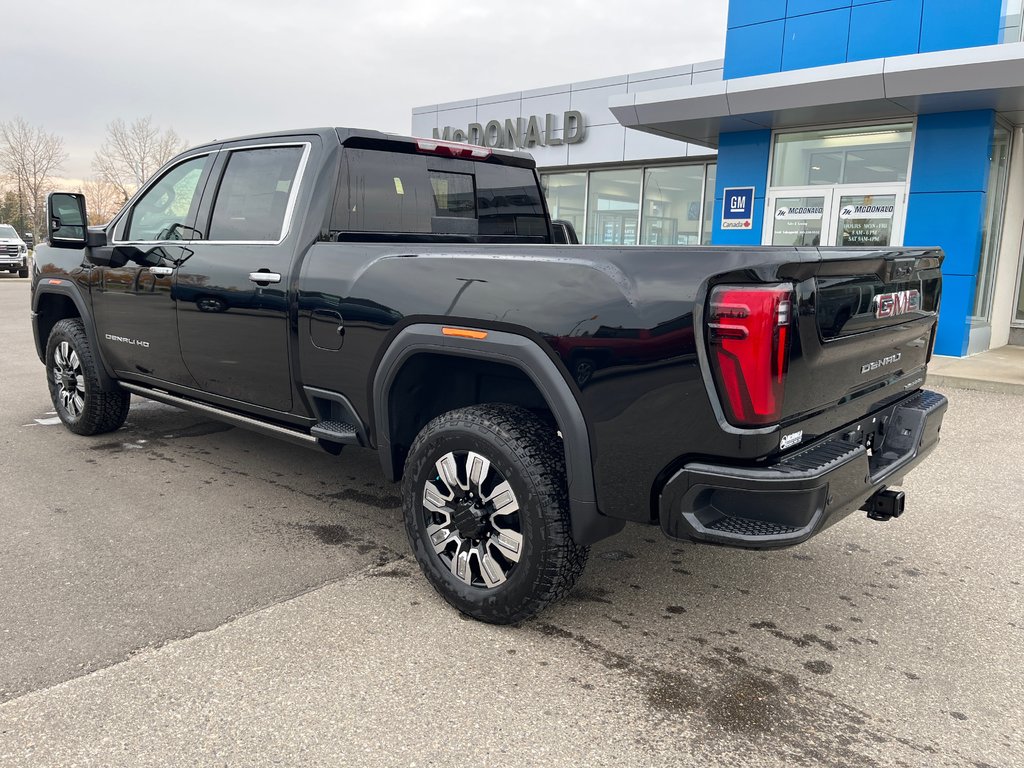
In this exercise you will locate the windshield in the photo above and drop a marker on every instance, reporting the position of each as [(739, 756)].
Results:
[(8, 231)]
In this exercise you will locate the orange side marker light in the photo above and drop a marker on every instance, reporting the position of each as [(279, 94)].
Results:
[(464, 333)]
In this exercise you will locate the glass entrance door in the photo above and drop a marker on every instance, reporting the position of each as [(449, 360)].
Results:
[(798, 219), (848, 215)]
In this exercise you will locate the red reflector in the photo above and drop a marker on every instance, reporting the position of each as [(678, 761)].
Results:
[(453, 149), (748, 337)]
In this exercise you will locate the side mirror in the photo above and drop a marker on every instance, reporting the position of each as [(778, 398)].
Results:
[(67, 222), (565, 233)]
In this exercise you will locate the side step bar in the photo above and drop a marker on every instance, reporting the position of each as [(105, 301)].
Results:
[(245, 422)]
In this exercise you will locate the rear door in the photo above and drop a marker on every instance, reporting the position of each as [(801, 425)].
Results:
[(233, 291)]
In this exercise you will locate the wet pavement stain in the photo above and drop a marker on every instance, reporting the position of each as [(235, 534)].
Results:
[(388, 501), (332, 535), (818, 667), (802, 641), (754, 702)]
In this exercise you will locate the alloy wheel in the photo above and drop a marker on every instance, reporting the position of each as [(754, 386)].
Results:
[(67, 376), (472, 519)]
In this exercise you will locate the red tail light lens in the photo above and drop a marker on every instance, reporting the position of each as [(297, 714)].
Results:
[(748, 341)]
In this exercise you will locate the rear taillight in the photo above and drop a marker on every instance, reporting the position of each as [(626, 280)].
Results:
[(748, 341), (453, 149)]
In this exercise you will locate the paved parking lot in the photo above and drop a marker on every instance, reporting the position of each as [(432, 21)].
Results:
[(184, 593)]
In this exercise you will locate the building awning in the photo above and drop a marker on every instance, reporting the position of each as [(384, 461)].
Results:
[(988, 77)]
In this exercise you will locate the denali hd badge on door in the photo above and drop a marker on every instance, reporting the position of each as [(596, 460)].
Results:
[(895, 304)]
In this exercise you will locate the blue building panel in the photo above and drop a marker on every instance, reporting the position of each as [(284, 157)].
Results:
[(951, 152), (816, 40), (745, 12), (803, 7), (888, 28), (754, 50), (953, 335), (951, 220), (742, 162), (948, 24)]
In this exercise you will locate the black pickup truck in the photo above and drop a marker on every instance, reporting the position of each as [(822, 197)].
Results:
[(339, 287)]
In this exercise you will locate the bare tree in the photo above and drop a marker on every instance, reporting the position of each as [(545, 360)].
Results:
[(103, 200), (131, 153), (28, 157)]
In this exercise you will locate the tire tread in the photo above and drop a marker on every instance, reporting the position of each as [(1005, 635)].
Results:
[(105, 410), (540, 452)]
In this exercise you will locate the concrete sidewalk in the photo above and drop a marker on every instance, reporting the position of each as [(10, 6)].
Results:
[(998, 370)]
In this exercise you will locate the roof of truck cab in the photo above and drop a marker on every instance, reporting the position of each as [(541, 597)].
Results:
[(342, 135)]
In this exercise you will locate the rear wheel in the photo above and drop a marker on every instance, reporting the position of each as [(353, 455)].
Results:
[(72, 374), (486, 511)]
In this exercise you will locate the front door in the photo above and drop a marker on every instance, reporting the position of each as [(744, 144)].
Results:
[(846, 215), (232, 293), (132, 302)]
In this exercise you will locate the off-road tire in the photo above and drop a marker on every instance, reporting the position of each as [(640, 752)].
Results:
[(530, 456), (104, 410)]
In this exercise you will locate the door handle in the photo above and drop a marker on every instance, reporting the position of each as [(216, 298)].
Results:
[(265, 277), (161, 271)]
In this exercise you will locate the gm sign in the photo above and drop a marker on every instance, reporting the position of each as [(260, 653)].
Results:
[(738, 208)]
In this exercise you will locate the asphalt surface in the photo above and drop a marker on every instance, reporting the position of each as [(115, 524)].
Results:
[(182, 593)]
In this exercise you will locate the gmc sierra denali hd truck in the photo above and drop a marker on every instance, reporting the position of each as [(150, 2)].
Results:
[(339, 287)]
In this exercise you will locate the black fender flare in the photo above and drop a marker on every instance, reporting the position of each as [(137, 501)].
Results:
[(65, 287), (588, 524)]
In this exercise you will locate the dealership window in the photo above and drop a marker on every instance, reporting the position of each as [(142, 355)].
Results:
[(839, 186), (867, 154), (652, 205), (672, 205), (992, 224), (613, 207), (1010, 25), (566, 194)]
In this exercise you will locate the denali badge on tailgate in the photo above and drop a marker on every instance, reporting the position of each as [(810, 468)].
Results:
[(895, 304), (874, 365)]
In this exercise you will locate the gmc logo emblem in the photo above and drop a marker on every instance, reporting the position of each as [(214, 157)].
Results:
[(896, 304)]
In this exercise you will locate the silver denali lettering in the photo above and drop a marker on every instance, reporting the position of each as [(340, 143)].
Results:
[(874, 365), (126, 340)]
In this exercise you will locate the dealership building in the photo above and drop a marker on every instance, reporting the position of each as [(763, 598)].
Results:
[(871, 123)]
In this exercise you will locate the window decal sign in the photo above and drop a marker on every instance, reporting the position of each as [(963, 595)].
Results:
[(738, 208)]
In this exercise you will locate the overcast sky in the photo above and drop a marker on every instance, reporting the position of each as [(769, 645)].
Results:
[(221, 68)]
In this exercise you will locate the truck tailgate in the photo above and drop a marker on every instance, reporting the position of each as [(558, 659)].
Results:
[(864, 330)]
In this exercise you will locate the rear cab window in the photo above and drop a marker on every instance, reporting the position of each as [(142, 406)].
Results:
[(389, 193)]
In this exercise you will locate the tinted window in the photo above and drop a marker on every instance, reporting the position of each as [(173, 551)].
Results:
[(253, 194), (453, 194), (392, 192), (509, 201), (166, 210)]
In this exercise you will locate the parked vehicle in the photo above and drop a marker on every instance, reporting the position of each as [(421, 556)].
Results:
[(339, 287), (13, 251)]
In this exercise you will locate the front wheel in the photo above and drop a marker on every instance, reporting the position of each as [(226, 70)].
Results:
[(487, 512), (72, 373), (23, 272)]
